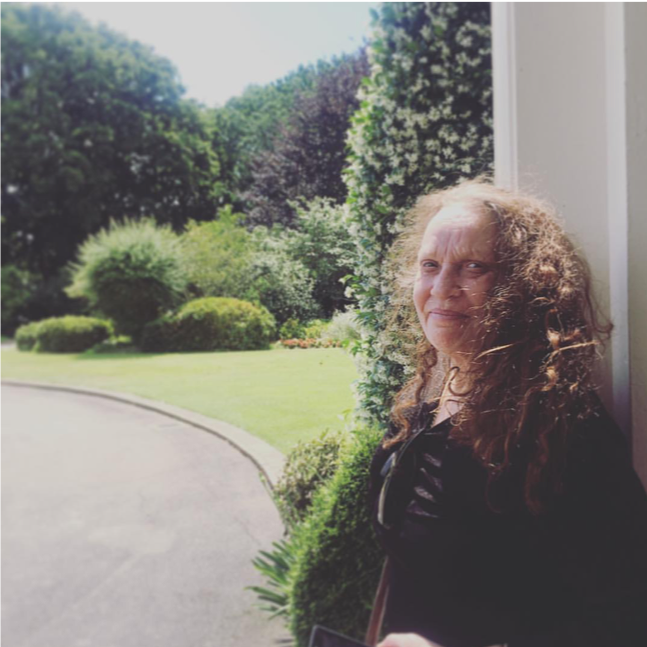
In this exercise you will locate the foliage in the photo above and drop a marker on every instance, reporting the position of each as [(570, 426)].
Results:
[(118, 344), (211, 323), (69, 334), (425, 122), (337, 560), (18, 288), (275, 566), (279, 281), (247, 125), (94, 128), (308, 153), (27, 335), (343, 328), (307, 467), (158, 336), (131, 272), (218, 256), (323, 243), (316, 328), (292, 329)]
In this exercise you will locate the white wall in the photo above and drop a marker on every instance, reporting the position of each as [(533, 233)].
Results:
[(569, 119)]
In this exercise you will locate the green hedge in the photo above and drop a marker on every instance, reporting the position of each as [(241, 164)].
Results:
[(69, 334), (307, 467), (27, 335), (211, 323), (338, 560)]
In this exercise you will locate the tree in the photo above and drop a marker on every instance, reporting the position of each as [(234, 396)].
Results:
[(247, 125), (308, 153), (323, 243), (94, 128), (218, 256)]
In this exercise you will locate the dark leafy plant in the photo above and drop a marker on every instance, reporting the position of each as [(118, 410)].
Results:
[(308, 153), (275, 566)]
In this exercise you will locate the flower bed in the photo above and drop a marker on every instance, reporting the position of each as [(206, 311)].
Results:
[(310, 343)]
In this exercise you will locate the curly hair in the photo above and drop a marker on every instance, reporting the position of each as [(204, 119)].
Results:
[(532, 374)]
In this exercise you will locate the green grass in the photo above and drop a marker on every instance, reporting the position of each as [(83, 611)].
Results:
[(280, 395)]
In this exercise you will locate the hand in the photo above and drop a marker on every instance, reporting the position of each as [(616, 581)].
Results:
[(406, 640)]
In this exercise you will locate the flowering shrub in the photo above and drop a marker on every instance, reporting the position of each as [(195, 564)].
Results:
[(425, 122), (310, 343)]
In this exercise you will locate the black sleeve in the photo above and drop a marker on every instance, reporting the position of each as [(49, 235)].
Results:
[(600, 536)]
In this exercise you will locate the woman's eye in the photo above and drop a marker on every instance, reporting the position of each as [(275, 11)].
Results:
[(475, 266), (429, 265)]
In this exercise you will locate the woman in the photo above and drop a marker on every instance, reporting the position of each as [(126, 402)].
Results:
[(503, 492)]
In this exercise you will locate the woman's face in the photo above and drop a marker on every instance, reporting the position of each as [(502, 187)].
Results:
[(456, 269)]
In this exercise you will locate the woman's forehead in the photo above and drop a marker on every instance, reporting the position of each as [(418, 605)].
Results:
[(459, 229)]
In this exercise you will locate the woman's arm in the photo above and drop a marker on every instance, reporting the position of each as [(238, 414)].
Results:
[(406, 640)]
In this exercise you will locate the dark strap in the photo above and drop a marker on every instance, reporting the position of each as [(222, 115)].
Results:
[(379, 606)]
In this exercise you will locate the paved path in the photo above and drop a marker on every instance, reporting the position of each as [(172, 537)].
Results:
[(122, 527)]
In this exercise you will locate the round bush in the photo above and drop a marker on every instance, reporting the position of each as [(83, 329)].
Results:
[(27, 335), (159, 336), (71, 334), (307, 467), (216, 323), (131, 272), (119, 344), (211, 323)]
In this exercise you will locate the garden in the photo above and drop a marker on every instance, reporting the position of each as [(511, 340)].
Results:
[(235, 260)]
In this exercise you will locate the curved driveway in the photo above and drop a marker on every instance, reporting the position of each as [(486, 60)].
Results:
[(124, 528)]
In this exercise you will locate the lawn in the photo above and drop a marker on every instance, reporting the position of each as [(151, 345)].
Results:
[(279, 395)]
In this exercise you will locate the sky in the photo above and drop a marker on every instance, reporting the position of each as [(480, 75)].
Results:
[(221, 47)]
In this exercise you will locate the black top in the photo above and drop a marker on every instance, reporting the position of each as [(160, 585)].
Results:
[(465, 576)]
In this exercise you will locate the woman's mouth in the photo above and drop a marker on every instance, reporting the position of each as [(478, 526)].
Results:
[(439, 314)]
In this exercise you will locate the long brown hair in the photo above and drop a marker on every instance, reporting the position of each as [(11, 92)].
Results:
[(532, 376)]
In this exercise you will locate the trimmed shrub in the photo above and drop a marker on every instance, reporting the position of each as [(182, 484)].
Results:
[(211, 323), (119, 344), (337, 560), (27, 336), (131, 273), (307, 467), (159, 336), (71, 334)]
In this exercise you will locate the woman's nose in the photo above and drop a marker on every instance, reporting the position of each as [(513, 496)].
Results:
[(446, 284)]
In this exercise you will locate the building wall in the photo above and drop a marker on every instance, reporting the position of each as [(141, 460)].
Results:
[(569, 121)]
